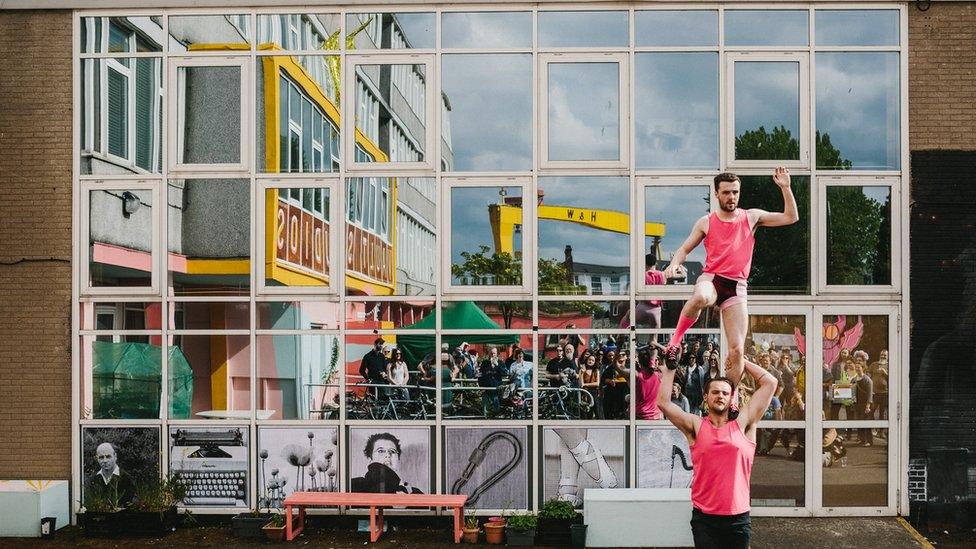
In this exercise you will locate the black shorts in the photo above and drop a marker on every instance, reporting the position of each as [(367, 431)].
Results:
[(721, 531), (729, 291)]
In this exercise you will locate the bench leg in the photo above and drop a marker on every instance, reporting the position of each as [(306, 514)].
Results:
[(375, 523), (458, 532), (292, 531)]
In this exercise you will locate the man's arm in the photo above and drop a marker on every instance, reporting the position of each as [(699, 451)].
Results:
[(789, 215), (363, 369), (761, 397), (684, 421), (690, 243)]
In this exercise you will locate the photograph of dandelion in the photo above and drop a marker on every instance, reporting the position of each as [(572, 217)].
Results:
[(389, 460), (304, 459)]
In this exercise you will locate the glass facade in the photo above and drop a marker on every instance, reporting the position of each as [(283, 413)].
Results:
[(343, 238)]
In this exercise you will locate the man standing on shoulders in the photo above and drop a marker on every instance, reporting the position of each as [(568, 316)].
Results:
[(722, 451)]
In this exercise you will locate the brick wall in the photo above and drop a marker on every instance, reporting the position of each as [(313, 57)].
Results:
[(942, 76), (35, 224)]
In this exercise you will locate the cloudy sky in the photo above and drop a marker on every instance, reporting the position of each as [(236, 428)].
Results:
[(676, 28), (584, 111), (678, 208), (768, 95), (469, 218), (486, 30), (766, 28), (583, 28), (856, 27)]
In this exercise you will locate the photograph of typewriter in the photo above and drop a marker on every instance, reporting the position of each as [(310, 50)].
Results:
[(213, 463)]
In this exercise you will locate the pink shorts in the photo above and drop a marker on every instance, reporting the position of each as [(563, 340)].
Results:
[(730, 291)]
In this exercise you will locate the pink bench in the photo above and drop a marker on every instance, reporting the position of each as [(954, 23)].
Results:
[(376, 504)]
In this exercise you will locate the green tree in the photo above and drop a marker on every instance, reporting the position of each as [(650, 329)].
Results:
[(759, 144), (854, 242), (555, 279), (495, 269)]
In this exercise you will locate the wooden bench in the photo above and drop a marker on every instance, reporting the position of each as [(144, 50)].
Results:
[(376, 504)]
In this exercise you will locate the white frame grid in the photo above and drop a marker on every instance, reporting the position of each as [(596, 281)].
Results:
[(892, 301)]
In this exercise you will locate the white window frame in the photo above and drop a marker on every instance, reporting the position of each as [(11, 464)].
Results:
[(800, 57), (897, 364), (263, 236), (637, 224), (893, 183), (349, 122), (528, 235), (152, 188), (623, 97), (175, 117)]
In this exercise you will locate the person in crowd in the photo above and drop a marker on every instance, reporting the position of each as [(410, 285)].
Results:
[(695, 384), (879, 376), (767, 437), (520, 373), (616, 387), (590, 381), (489, 378), (864, 389), (449, 373), (693, 351), (785, 367), (677, 398), (398, 374), (562, 369), (648, 384), (373, 365), (706, 351)]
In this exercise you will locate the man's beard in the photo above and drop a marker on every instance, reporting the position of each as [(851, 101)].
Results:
[(729, 206)]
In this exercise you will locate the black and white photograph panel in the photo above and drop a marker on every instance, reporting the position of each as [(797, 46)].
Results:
[(488, 464), (303, 459), (389, 460), (663, 458), (116, 463), (213, 464), (580, 458)]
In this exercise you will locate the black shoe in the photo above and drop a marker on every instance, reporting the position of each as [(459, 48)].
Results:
[(671, 357)]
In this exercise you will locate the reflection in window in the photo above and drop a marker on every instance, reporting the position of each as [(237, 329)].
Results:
[(390, 31), (490, 29), (858, 111), (191, 33), (298, 315), (488, 116), (210, 315), (584, 376), (121, 34), (777, 343), (209, 130), (393, 377), (583, 28), (857, 28), (416, 236), (384, 315), (584, 111), (486, 236), (781, 259), (121, 376), (767, 110), (299, 253), (391, 112), (583, 315), (369, 212), (856, 370), (853, 475), (778, 476), (584, 228), (120, 227), (209, 236), (121, 113), (676, 110), (215, 380), (299, 31), (670, 212), (298, 376), (858, 235), (766, 28), (676, 28)]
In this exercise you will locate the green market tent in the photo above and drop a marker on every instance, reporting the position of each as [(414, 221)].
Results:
[(458, 315), (126, 381)]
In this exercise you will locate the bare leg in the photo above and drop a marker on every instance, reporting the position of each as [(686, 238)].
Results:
[(704, 296), (735, 324)]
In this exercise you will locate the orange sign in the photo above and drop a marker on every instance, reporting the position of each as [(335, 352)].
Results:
[(301, 239), (368, 255)]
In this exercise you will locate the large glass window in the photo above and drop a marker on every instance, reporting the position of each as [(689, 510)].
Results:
[(121, 238), (766, 27), (676, 28), (781, 258), (768, 112), (207, 128), (486, 240), (583, 29), (584, 110), (670, 213), (488, 29), (391, 114), (858, 235)]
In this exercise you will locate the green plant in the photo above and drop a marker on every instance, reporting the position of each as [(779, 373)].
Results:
[(158, 494), (522, 521), (557, 509), (471, 521), (277, 521)]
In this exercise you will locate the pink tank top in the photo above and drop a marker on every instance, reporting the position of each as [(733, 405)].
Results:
[(722, 463), (729, 245)]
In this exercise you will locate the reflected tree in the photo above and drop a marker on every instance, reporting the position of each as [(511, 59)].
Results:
[(855, 223), (759, 144)]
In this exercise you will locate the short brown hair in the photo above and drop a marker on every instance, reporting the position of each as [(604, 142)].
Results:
[(723, 379), (725, 176)]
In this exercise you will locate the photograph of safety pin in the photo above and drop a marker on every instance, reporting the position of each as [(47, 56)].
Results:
[(489, 465)]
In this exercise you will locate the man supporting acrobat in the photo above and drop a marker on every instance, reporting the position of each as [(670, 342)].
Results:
[(729, 237)]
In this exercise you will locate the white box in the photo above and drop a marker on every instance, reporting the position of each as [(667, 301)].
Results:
[(23, 503), (638, 517)]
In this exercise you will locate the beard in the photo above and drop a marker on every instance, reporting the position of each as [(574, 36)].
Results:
[(718, 408), (729, 206)]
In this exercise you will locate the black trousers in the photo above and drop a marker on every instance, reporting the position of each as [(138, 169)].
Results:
[(721, 531)]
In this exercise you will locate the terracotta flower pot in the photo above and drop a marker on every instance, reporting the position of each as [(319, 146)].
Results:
[(471, 535), (495, 533), (274, 533)]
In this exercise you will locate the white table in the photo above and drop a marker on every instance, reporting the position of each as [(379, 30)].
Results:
[(235, 414)]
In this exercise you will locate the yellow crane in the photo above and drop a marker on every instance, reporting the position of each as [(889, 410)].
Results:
[(506, 217)]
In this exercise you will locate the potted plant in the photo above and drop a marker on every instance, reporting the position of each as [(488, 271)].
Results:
[(249, 524), (556, 522), (471, 529), (275, 528), (520, 529), (495, 530), (151, 511)]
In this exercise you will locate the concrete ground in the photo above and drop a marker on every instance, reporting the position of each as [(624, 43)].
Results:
[(778, 533)]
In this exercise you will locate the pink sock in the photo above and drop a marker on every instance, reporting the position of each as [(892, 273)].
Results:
[(684, 322)]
